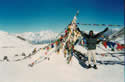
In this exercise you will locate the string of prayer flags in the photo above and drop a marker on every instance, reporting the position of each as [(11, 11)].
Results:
[(112, 45), (101, 25)]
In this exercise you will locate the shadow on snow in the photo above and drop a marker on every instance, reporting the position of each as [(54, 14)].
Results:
[(83, 59)]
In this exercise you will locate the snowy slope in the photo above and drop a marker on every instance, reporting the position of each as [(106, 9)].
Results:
[(120, 40), (7, 40), (111, 31), (39, 37), (118, 36), (56, 69), (11, 45)]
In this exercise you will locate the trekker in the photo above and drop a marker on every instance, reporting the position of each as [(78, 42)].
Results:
[(91, 40)]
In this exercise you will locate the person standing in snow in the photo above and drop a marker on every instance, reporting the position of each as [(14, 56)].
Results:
[(91, 40)]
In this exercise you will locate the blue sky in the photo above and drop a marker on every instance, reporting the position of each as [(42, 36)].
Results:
[(17, 16)]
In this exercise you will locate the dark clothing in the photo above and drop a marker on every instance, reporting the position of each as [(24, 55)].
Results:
[(92, 40)]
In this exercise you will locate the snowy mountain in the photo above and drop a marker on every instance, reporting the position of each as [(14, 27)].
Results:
[(120, 39), (118, 36), (110, 69), (41, 37), (44, 37), (111, 31), (8, 40)]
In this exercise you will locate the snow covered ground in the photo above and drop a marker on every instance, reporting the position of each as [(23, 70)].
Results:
[(56, 69)]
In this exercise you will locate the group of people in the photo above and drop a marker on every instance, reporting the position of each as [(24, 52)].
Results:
[(70, 38)]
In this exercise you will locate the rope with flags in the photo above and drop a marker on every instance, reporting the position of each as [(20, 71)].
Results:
[(46, 47), (108, 25), (117, 34), (57, 41)]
